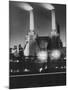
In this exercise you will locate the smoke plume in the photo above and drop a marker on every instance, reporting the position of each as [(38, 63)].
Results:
[(47, 6), (24, 6)]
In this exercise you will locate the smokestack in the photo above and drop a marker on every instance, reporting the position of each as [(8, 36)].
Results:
[(54, 29), (53, 20), (31, 21)]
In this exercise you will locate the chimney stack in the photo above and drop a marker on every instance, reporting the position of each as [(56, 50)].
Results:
[(53, 20), (54, 31), (31, 21)]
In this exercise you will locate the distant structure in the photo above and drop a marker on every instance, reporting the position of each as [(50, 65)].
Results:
[(35, 43)]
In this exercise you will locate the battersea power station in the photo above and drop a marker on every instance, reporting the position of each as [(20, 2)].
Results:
[(40, 53)]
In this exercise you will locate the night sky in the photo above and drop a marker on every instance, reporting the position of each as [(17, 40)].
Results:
[(19, 22)]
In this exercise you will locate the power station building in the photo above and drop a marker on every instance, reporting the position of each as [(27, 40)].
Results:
[(35, 43)]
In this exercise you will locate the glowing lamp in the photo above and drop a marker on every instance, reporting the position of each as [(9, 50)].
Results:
[(55, 54), (42, 56)]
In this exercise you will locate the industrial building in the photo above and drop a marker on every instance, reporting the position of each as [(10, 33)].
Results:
[(42, 51)]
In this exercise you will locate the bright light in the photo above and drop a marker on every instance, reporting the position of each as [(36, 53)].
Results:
[(17, 61), (26, 70), (56, 67), (40, 69), (55, 54), (11, 70), (42, 56)]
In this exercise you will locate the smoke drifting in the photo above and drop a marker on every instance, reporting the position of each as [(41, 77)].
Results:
[(24, 6), (47, 6)]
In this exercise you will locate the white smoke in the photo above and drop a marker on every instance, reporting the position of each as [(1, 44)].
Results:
[(24, 6), (47, 6)]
